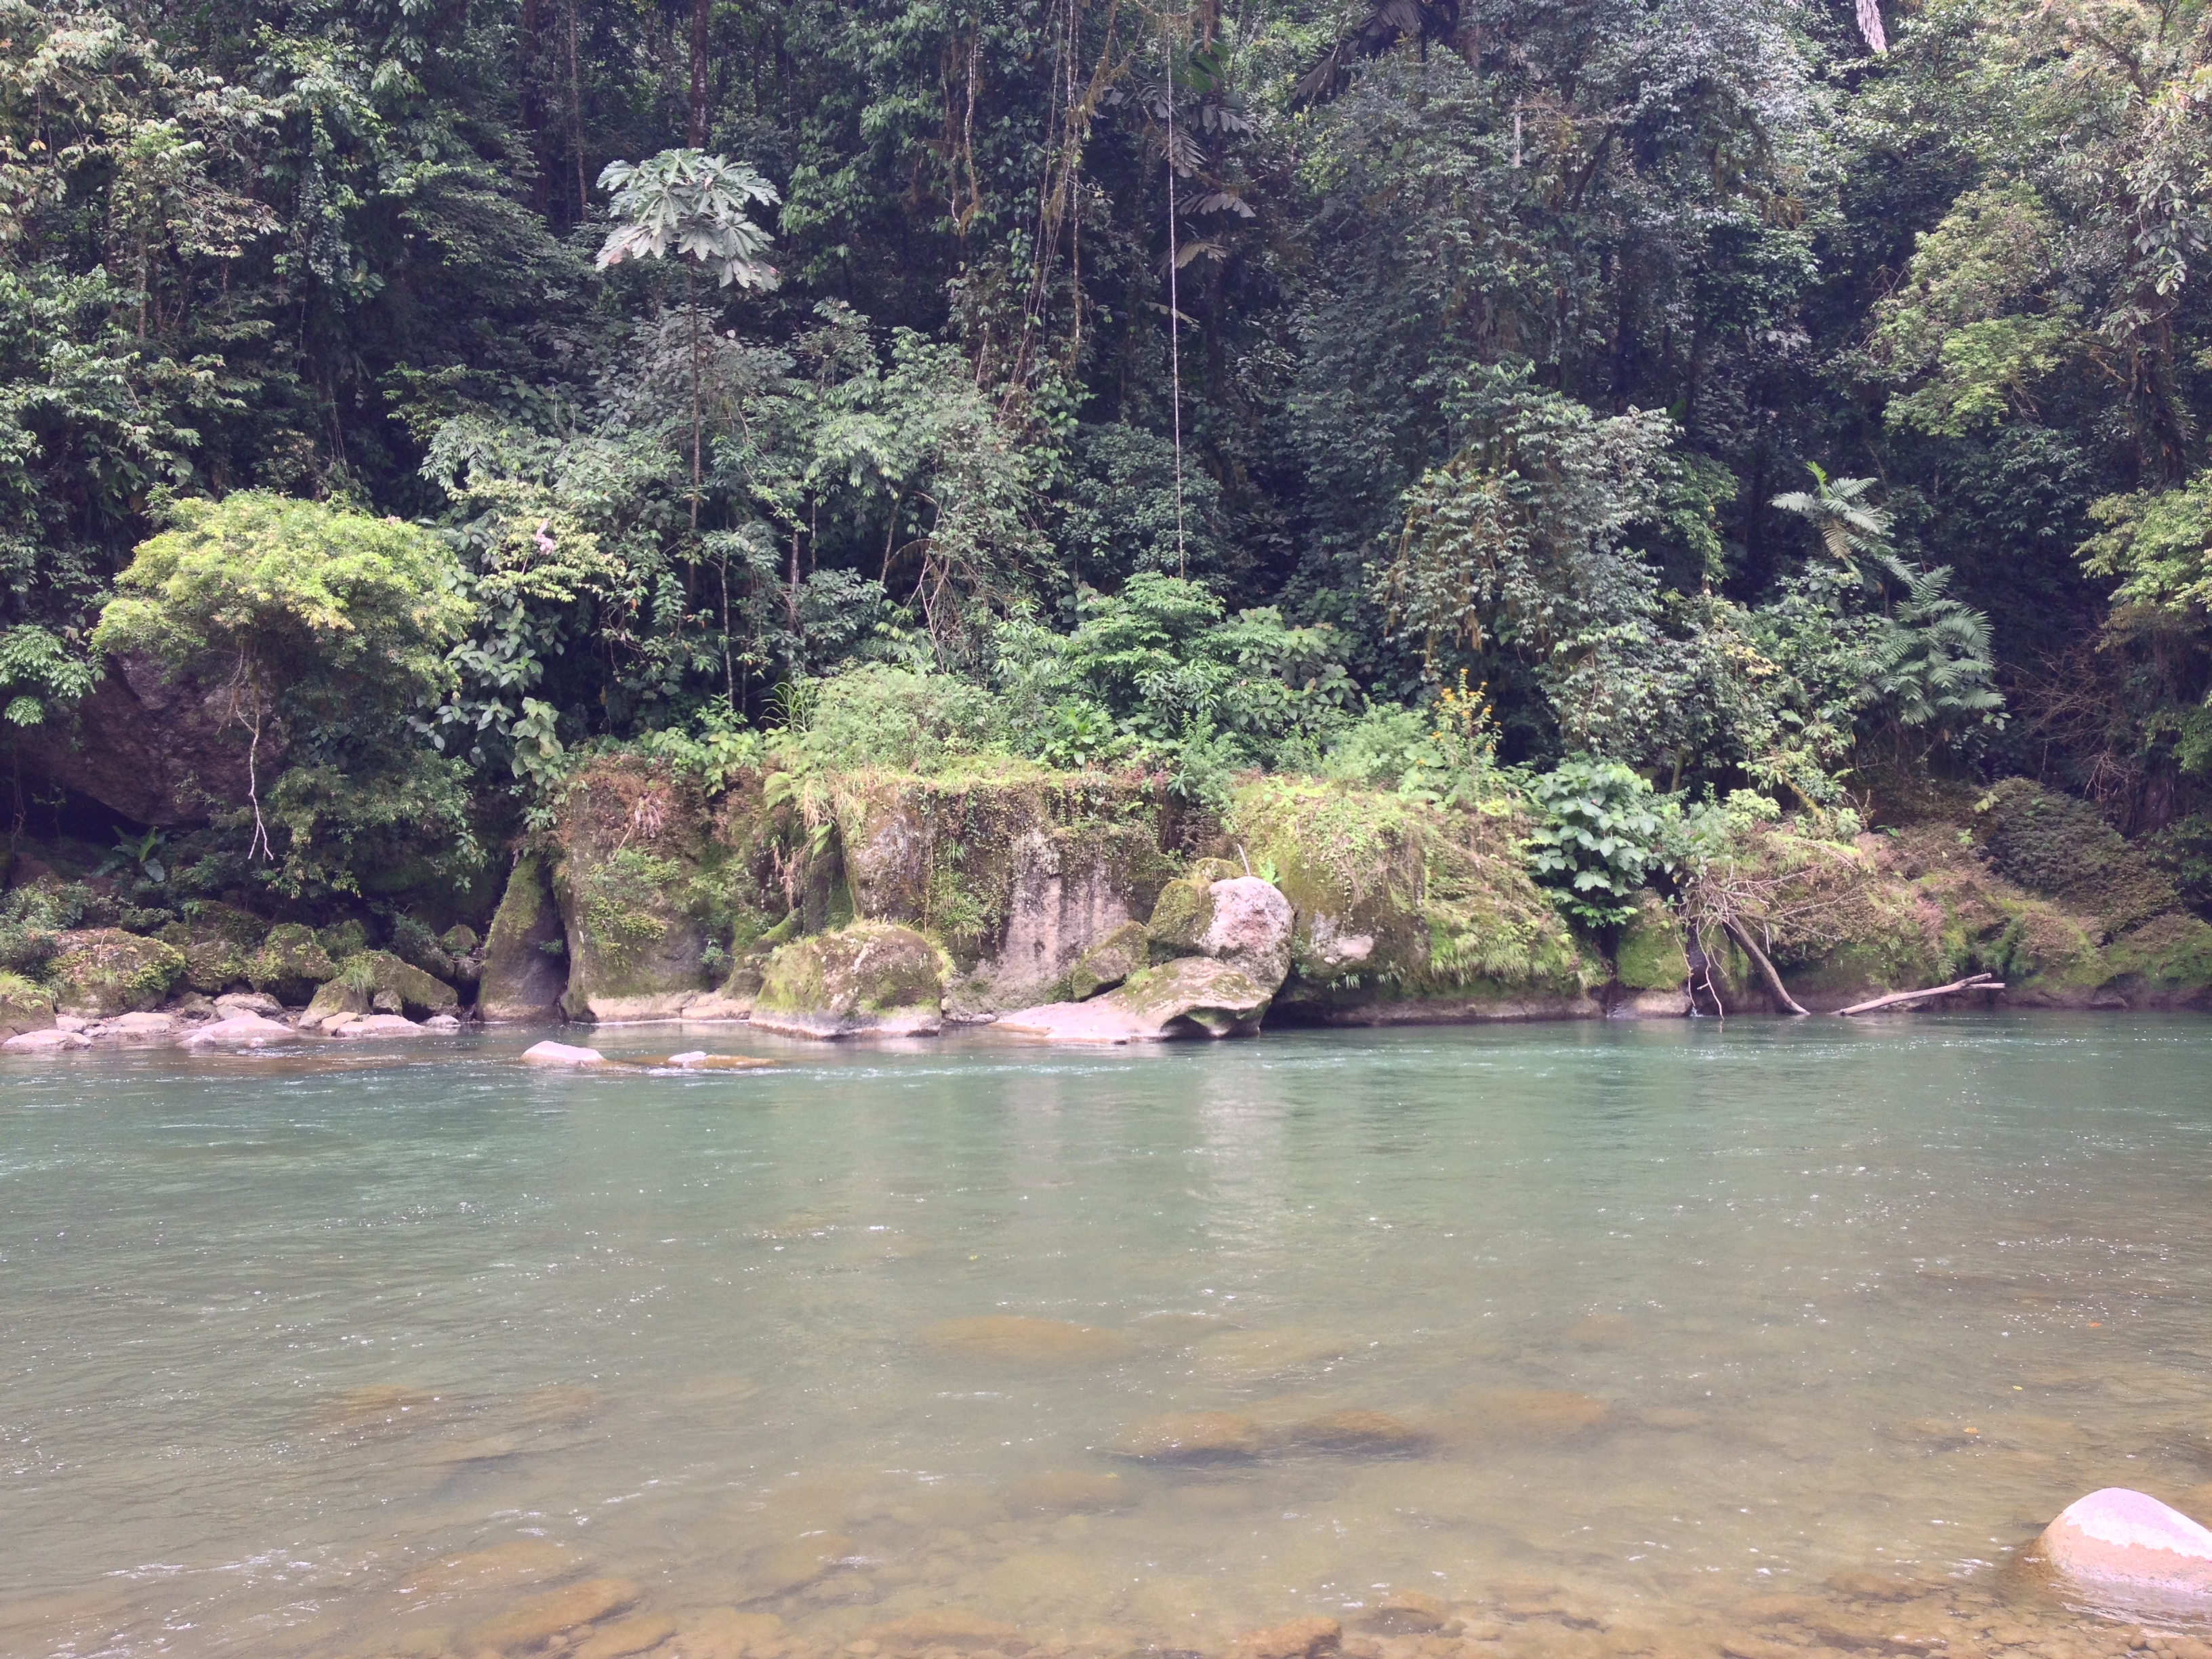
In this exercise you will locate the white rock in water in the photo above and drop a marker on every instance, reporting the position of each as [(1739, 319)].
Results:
[(561, 1053), (690, 1057), (46, 1042), (246, 1031), (2128, 1539), (376, 1025), (141, 1025)]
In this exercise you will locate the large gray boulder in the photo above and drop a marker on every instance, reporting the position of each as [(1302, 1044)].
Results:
[(1190, 996)]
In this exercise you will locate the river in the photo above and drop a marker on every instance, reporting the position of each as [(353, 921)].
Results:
[(1570, 1341)]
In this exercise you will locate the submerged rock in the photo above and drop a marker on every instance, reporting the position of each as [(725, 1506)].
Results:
[(873, 978), (537, 1620), (561, 1053), (1070, 1491), (525, 957), (1358, 1434), (1540, 1413), (1301, 1638), (102, 971), (2119, 1539), (1017, 1340), (1192, 1437)]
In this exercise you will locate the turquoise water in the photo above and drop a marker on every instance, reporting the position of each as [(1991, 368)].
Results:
[(1659, 1316)]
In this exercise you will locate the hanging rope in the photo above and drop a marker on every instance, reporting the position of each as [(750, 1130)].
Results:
[(1175, 298)]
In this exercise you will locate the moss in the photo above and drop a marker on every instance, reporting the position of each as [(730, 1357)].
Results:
[(24, 1006), (2167, 960), (2058, 847), (100, 971), (290, 963), (1651, 957), (847, 979), (342, 939), (1182, 914), (1111, 961), (1402, 895)]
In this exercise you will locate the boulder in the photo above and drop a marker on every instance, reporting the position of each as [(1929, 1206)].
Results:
[(1249, 929), (1112, 960), (242, 1030), (525, 965), (374, 1025), (24, 1006), (46, 1042), (290, 963), (1190, 996), (389, 984), (100, 971), (872, 978), (2117, 1540), (248, 1002), (335, 1001), (561, 1053), (218, 941), (141, 1025)]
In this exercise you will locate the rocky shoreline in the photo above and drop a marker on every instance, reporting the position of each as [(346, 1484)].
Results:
[(1092, 908)]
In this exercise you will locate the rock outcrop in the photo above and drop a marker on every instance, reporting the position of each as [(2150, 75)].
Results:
[(872, 978), (100, 971), (526, 967), (1407, 911)]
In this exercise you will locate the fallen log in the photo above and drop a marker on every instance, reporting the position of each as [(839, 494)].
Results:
[(1971, 982)]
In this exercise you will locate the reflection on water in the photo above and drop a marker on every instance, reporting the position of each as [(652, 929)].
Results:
[(1566, 1342)]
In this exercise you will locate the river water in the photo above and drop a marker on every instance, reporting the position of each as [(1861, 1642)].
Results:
[(1556, 1341)]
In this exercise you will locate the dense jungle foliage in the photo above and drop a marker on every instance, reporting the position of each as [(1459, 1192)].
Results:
[(1786, 405)]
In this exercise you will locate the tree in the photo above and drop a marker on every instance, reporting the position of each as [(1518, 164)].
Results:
[(694, 205), (1847, 522), (326, 629)]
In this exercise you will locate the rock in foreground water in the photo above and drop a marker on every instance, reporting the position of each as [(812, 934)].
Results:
[(50, 1041), (1014, 1339), (561, 1053), (240, 1030), (1192, 1437), (2123, 1539), (872, 979)]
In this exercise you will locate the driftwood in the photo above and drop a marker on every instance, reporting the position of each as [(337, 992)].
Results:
[(1742, 936), (1971, 982)]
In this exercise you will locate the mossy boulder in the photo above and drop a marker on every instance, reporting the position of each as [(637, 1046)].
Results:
[(1651, 955), (2058, 847), (97, 972), (1016, 869), (24, 1006), (643, 889), (377, 982), (2167, 962), (870, 978), (1405, 909), (218, 942), (1111, 961), (290, 963), (1204, 994), (525, 955)]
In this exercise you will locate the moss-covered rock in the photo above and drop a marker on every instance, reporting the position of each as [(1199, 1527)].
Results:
[(24, 1006), (218, 942), (1112, 960), (290, 963), (344, 939), (2167, 962), (1650, 956), (1186, 996), (2058, 847), (101, 971), (643, 889), (1407, 910), (525, 955), (872, 977), (395, 986)]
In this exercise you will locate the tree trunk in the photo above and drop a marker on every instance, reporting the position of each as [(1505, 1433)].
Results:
[(699, 8), (691, 297), (533, 110), (1742, 936)]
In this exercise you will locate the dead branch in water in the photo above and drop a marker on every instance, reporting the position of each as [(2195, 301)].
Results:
[(1741, 935), (1971, 982)]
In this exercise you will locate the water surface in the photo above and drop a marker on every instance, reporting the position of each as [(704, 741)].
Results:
[(1663, 1316)]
